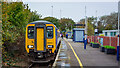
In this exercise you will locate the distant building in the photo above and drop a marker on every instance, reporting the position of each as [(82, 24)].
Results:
[(109, 33), (78, 34)]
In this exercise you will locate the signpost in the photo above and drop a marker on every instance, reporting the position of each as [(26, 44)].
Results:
[(118, 31)]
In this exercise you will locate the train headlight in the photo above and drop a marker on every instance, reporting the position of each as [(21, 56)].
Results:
[(30, 46), (50, 46)]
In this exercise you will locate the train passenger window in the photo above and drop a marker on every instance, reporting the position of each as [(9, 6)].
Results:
[(30, 32), (49, 32)]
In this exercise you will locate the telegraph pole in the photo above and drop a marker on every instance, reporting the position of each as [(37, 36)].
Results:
[(85, 41), (85, 21), (118, 31), (95, 30)]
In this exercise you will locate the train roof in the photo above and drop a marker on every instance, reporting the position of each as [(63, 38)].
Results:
[(41, 21)]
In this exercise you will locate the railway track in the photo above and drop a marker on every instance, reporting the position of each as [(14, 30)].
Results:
[(44, 63), (41, 65)]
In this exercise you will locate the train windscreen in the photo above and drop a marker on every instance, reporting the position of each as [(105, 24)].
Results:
[(30, 32), (49, 32)]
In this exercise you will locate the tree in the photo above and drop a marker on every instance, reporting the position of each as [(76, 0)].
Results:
[(90, 29), (15, 17), (34, 16), (108, 27), (100, 27), (54, 20), (110, 20), (66, 23), (90, 25)]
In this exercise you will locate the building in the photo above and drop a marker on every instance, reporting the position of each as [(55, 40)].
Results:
[(78, 34), (110, 33)]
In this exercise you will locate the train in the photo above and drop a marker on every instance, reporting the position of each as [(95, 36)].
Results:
[(41, 39)]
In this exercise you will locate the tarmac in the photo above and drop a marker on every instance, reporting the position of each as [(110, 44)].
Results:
[(89, 57)]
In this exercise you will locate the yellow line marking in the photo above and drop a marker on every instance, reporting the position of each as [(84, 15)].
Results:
[(80, 63)]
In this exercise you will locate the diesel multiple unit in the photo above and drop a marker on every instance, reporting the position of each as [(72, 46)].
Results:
[(41, 39)]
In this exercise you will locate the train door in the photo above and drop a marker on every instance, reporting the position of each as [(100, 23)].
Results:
[(40, 39)]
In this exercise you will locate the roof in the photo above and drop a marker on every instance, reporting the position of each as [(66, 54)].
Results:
[(110, 31), (40, 21), (79, 24), (78, 29)]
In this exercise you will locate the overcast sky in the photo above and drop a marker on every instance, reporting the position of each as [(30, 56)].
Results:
[(70, 0), (74, 10)]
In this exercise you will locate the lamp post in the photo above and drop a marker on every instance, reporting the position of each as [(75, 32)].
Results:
[(52, 11)]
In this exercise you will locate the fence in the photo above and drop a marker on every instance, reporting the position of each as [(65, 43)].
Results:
[(112, 41)]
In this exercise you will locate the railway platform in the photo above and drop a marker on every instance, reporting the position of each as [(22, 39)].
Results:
[(89, 58), (62, 56)]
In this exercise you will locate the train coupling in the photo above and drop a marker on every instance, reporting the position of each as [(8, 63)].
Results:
[(40, 55)]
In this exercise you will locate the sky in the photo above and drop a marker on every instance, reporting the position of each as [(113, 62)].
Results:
[(74, 10), (70, 0)]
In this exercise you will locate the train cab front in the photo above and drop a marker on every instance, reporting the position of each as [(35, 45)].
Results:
[(40, 39), (36, 40)]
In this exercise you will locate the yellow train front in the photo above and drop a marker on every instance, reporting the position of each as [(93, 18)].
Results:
[(41, 39)]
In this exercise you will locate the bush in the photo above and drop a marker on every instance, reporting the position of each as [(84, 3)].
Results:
[(101, 45), (101, 35), (15, 17), (93, 43), (109, 47)]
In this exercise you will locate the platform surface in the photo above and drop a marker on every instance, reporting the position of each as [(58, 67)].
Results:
[(90, 58)]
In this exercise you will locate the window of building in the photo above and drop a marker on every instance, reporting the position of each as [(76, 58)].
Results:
[(111, 33), (49, 32), (114, 33), (105, 33), (30, 32)]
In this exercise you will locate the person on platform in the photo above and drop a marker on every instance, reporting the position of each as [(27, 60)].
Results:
[(66, 35), (62, 36)]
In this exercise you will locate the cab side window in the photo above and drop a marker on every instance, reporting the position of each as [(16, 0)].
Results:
[(49, 32), (31, 32)]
